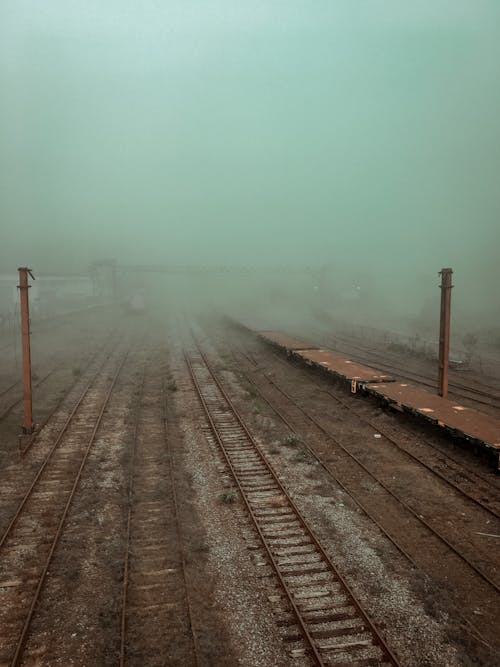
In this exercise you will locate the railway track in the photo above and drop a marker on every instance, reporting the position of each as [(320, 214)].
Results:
[(7, 408), (473, 487), (156, 622), (28, 543), (338, 470), (459, 467), (10, 405), (451, 472), (416, 513), (487, 396), (5, 391), (17, 479), (324, 620)]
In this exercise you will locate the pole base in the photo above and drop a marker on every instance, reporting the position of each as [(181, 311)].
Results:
[(27, 437)]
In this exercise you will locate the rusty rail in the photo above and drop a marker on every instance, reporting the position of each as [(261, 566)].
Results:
[(123, 621), (20, 643), (488, 396), (401, 501), (36, 384), (133, 467), (464, 470), (472, 629), (189, 606), (220, 401), (380, 429), (47, 459)]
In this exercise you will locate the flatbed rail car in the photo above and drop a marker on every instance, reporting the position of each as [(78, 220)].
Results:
[(476, 427), (472, 425), (324, 360)]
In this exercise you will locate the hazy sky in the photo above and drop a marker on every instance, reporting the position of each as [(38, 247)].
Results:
[(362, 133)]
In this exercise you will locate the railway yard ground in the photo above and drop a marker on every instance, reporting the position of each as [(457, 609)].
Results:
[(196, 497)]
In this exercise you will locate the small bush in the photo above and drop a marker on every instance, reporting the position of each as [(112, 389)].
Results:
[(229, 497), (303, 456), (292, 441), (251, 392)]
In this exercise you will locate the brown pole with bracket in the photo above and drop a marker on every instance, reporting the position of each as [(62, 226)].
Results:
[(444, 332), (28, 425)]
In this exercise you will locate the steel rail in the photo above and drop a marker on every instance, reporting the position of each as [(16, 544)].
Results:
[(388, 356), (123, 623), (310, 641), (7, 389), (387, 366), (467, 624), (300, 620), (171, 466), (49, 455), (404, 504), (30, 440), (123, 619), (41, 580), (326, 467), (475, 632), (393, 441), (36, 384), (414, 457), (419, 378), (464, 470), (34, 437)]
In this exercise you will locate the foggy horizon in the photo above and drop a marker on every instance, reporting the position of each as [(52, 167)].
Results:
[(362, 138)]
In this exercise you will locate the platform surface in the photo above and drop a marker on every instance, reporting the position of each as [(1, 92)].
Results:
[(289, 342), (450, 414), (344, 368)]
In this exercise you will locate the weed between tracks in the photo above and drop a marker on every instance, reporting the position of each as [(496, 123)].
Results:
[(229, 497), (251, 393), (303, 456), (292, 441)]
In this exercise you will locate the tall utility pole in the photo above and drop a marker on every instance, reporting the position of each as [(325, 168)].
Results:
[(28, 425), (444, 332)]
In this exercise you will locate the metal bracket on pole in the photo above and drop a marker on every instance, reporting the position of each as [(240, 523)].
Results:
[(28, 425), (444, 332)]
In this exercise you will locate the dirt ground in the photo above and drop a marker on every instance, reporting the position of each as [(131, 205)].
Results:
[(210, 579)]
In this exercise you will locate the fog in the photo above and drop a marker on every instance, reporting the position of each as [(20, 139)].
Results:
[(362, 137)]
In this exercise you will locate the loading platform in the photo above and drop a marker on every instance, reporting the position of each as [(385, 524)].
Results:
[(343, 368), (288, 343), (460, 421)]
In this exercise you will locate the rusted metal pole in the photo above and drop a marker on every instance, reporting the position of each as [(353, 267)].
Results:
[(444, 332), (28, 425)]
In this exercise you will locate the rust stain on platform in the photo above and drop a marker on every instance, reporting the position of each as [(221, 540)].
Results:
[(342, 367), (289, 342), (458, 418)]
